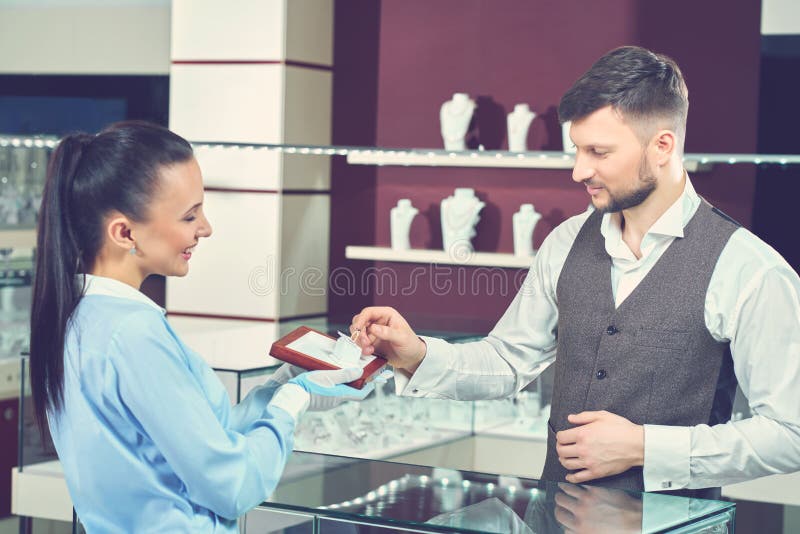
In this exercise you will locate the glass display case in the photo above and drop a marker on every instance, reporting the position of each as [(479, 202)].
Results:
[(327, 494)]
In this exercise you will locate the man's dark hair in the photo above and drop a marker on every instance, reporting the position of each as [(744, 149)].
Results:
[(639, 84)]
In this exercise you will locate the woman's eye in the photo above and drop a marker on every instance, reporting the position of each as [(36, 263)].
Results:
[(190, 218)]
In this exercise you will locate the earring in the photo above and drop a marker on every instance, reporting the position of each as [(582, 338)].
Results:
[(132, 251)]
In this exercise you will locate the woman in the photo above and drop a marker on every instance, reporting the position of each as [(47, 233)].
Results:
[(142, 426)]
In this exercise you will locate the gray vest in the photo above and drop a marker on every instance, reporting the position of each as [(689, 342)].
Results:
[(652, 360)]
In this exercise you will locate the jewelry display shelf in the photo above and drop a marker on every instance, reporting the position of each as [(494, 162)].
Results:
[(536, 159), (476, 259), (481, 158)]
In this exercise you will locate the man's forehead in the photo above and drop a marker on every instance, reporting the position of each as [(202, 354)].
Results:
[(602, 124)]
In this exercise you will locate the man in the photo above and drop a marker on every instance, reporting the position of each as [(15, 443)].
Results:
[(651, 307)]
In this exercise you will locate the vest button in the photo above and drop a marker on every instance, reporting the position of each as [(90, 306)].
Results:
[(601, 374), (611, 330)]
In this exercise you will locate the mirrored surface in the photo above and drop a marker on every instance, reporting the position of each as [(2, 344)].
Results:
[(446, 500)]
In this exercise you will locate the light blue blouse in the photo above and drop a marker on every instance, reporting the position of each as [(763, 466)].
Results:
[(147, 437)]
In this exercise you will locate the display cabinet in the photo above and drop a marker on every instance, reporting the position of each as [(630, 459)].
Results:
[(327, 494)]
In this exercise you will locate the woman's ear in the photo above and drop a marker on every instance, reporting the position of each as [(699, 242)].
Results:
[(120, 233)]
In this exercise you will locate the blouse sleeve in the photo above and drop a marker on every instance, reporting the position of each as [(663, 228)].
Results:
[(226, 470)]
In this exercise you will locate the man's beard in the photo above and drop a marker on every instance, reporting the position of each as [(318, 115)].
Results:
[(629, 199)]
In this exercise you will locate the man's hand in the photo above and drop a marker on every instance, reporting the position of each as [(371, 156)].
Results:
[(588, 509), (384, 331), (603, 445)]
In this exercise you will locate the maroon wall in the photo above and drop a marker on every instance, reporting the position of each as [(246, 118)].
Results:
[(504, 52)]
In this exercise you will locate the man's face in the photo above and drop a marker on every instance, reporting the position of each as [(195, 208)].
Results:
[(611, 161)]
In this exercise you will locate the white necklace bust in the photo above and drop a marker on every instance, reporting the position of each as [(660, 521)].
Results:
[(460, 213), (400, 218), (523, 222), (454, 118), (565, 138), (518, 122)]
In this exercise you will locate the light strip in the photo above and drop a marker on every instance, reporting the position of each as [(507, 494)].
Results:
[(412, 156)]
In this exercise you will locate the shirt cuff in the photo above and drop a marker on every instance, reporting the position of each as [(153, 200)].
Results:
[(292, 399), (435, 364), (667, 450)]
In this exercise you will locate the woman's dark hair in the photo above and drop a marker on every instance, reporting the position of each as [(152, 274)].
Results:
[(638, 83), (88, 176)]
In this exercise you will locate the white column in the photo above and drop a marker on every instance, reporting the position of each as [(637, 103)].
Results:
[(253, 71)]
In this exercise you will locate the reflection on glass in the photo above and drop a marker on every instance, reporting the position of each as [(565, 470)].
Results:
[(383, 425), (434, 499)]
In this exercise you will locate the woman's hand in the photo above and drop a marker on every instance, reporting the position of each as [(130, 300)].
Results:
[(332, 383)]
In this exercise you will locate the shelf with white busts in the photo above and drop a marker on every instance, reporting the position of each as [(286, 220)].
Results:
[(536, 159), (438, 257), (483, 158)]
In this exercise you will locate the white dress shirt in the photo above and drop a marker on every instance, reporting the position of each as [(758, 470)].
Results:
[(753, 301)]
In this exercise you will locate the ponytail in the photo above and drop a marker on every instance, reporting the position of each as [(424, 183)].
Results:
[(88, 177), (55, 290)]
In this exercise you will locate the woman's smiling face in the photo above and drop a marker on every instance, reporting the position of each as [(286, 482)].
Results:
[(175, 222)]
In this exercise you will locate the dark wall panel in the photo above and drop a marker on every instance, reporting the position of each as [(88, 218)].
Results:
[(504, 52), (779, 113)]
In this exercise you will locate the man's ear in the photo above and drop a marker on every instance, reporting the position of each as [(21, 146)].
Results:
[(118, 229), (664, 145)]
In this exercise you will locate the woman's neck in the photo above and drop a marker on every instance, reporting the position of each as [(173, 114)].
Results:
[(118, 269)]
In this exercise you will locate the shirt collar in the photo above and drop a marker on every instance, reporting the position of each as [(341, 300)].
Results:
[(100, 285), (671, 222)]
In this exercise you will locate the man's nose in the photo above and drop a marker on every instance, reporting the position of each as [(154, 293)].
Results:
[(583, 170)]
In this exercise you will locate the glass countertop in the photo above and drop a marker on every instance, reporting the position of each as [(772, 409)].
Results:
[(444, 500)]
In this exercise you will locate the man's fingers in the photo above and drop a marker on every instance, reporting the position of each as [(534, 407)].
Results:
[(567, 437), (567, 451), (385, 333), (572, 464), (372, 314), (584, 417)]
